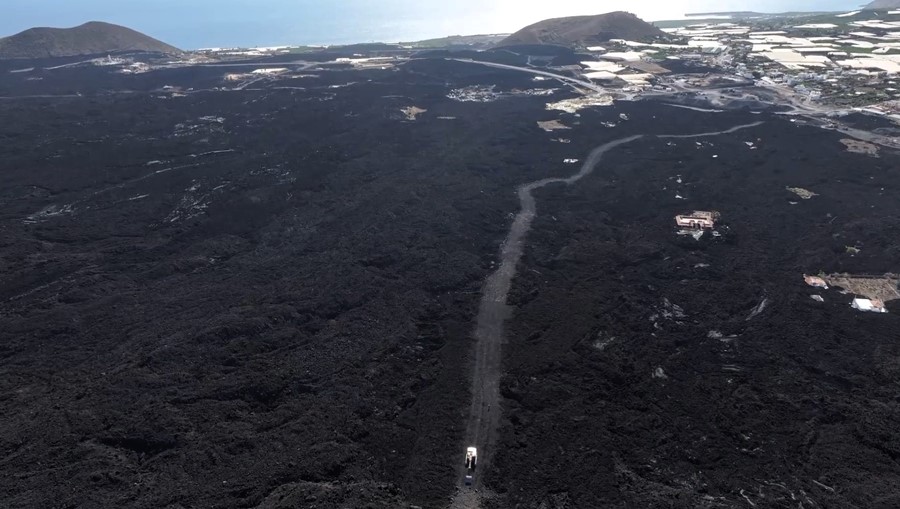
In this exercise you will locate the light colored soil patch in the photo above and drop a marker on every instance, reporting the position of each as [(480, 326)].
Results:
[(552, 125), (883, 288), (412, 112), (803, 193), (860, 147), (587, 101), (474, 93), (533, 92), (648, 67)]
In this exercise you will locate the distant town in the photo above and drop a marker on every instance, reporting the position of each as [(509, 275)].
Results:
[(819, 61), (843, 60)]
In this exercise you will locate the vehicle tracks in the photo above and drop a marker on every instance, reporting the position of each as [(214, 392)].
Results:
[(484, 413)]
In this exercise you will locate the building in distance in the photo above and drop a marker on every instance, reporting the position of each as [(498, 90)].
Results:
[(698, 220)]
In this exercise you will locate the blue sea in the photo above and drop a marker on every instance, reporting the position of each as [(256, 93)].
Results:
[(193, 24)]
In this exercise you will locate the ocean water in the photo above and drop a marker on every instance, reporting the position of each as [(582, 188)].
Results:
[(192, 24)]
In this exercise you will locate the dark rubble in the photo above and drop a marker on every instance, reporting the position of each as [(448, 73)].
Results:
[(637, 375), (264, 298), (284, 309)]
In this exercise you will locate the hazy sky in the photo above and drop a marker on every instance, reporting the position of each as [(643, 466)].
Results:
[(192, 24)]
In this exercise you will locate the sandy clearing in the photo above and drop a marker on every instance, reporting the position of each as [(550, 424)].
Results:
[(860, 147), (412, 112), (552, 125)]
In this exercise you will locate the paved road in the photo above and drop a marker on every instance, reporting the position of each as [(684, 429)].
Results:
[(566, 79), (484, 415), (303, 64), (819, 115)]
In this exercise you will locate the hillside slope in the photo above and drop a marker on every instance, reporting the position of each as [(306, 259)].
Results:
[(584, 30), (88, 39), (882, 4)]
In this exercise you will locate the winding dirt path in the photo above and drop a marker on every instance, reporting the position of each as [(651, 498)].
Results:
[(484, 414)]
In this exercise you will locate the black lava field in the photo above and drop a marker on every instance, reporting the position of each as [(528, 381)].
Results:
[(265, 298)]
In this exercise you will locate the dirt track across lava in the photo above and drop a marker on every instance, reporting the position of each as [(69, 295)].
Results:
[(484, 415)]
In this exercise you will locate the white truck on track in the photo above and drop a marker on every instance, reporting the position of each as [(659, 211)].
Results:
[(471, 461), (471, 458)]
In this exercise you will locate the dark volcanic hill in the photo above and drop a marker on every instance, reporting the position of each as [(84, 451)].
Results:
[(882, 4), (88, 39), (584, 30)]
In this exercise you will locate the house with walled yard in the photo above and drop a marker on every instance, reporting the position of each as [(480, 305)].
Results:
[(697, 220)]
